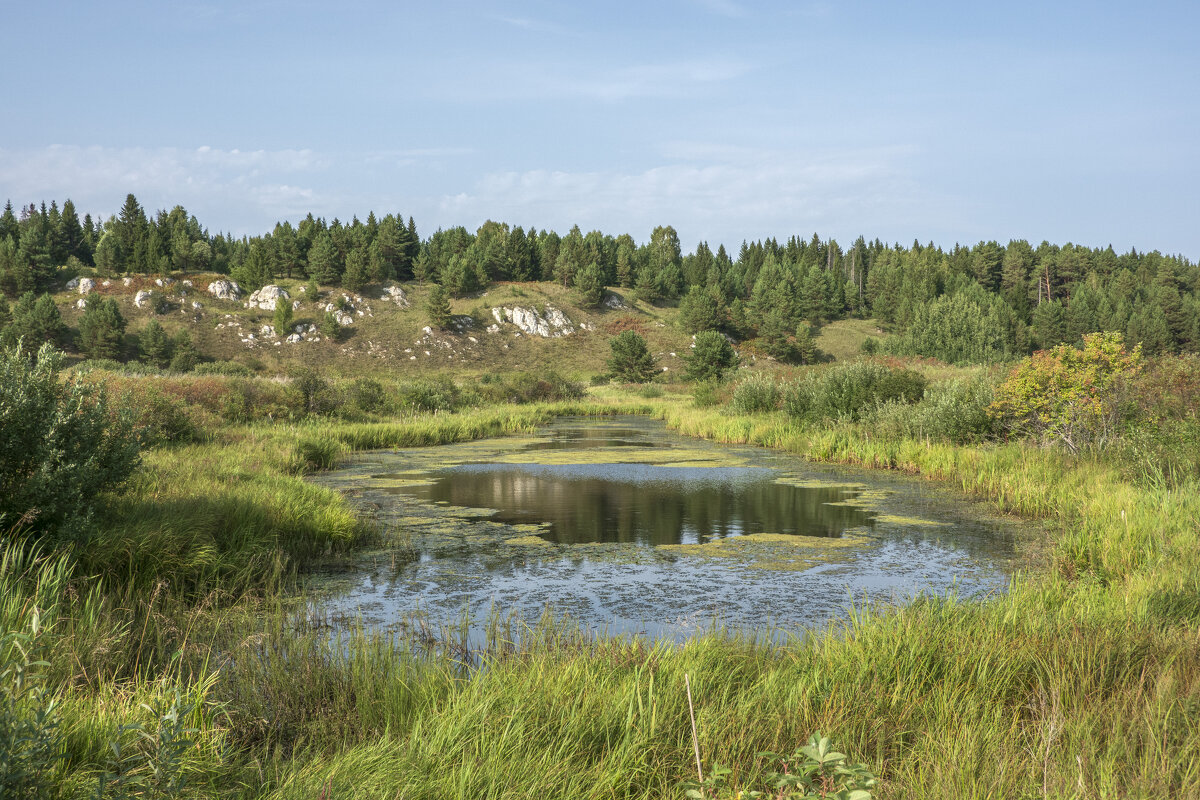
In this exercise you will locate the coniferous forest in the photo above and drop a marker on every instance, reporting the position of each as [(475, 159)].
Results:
[(980, 303)]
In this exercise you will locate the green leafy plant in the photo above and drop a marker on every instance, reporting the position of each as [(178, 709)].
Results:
[(814, 771), (1074, 397), (30, 744)]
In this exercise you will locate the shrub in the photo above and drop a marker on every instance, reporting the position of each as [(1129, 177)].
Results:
[(630, 360), (1070, 396), (953, 411), (851, 390), (316, 397), (367, 395), (524, 387), (706, 394), (30, 740), (711, 358), (232, 369), (438, 394), (756, 395), (159, 418), (60, 448)]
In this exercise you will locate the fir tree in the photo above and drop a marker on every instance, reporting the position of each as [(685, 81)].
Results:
[(101, 328), (154, 345)]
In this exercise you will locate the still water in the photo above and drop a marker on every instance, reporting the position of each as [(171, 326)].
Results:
[(623, 526)]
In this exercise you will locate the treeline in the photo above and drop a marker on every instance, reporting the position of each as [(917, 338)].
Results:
[(986, 302)]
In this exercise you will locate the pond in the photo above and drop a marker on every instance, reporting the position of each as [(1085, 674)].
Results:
[(623, 526)]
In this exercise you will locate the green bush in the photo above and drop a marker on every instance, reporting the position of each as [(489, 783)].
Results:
[(160, 418), (953, 411), (231, 369), (367, 395), (757, 394), (316, 396), (60, 447), (30, 741), (101, 327), (706, 394), (851, 390), (524, 387), (437, 394)]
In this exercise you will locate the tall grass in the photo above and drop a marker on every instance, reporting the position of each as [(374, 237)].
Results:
[(1083, 680)]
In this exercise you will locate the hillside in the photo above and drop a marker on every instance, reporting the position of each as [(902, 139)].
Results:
[(388, 333)]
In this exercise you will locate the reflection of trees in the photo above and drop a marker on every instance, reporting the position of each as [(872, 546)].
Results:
[(660, 512)]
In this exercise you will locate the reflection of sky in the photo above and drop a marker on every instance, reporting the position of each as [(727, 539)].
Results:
[(630, 588)]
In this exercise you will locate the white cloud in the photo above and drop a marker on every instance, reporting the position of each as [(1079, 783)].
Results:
[(720, 194)]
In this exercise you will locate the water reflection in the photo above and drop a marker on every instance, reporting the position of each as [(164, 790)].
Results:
[(644, 504)]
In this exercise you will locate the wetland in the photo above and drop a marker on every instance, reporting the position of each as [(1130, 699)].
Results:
[(625, 527)]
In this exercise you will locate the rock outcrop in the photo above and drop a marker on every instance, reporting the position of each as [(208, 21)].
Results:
[(141, 299), (396, 295), (551, 323)]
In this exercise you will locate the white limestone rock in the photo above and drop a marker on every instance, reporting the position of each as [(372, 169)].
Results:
[(266, 297), (552, 323), (225, 290), (86, 285), (141, 299), (396, 295)]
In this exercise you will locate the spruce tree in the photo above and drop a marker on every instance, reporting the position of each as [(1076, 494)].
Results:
[(283, 317), (630, 360), (590, 283), (184, 356)]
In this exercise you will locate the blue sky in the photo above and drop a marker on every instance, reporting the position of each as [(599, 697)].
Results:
[(731, 120)]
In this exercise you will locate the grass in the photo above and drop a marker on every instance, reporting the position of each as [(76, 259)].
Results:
[(1082, 681)]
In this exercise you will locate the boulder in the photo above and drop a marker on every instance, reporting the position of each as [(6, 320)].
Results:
[(266, 297), (196, 305), (612, 301), (73, 283), (294, 338), (126, 281), (81, 303), (86, 285), (396, 295), (345, 319), (163, 282), (141, 299), (225, 290)]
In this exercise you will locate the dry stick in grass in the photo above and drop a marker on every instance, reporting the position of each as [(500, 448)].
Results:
[(692, 715)]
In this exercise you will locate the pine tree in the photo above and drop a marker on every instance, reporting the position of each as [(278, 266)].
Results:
[(323, 264), (184, 356), (630, 360), (154, 345), (437, 307), (283, 317), (590, 283), (101, 328), (357, 269)]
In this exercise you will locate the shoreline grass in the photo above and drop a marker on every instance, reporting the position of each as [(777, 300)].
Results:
[(1082, 681)]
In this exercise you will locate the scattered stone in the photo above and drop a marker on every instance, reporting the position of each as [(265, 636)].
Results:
[(86, 285), (73, 283), (107, 283), (163, 282), (345, 319), (141, 299), (126, 281), (188, 284), (225, 290), (294, 338), (81, 303), (296, 303), (266, 297), (196, 306), (267, 330)]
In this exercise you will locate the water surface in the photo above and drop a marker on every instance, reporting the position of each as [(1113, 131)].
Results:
[(626, 527)]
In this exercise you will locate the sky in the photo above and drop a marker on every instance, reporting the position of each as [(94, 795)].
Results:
[(731, 120)]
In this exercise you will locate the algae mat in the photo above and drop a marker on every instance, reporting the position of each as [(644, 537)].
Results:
[(624, 526)]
